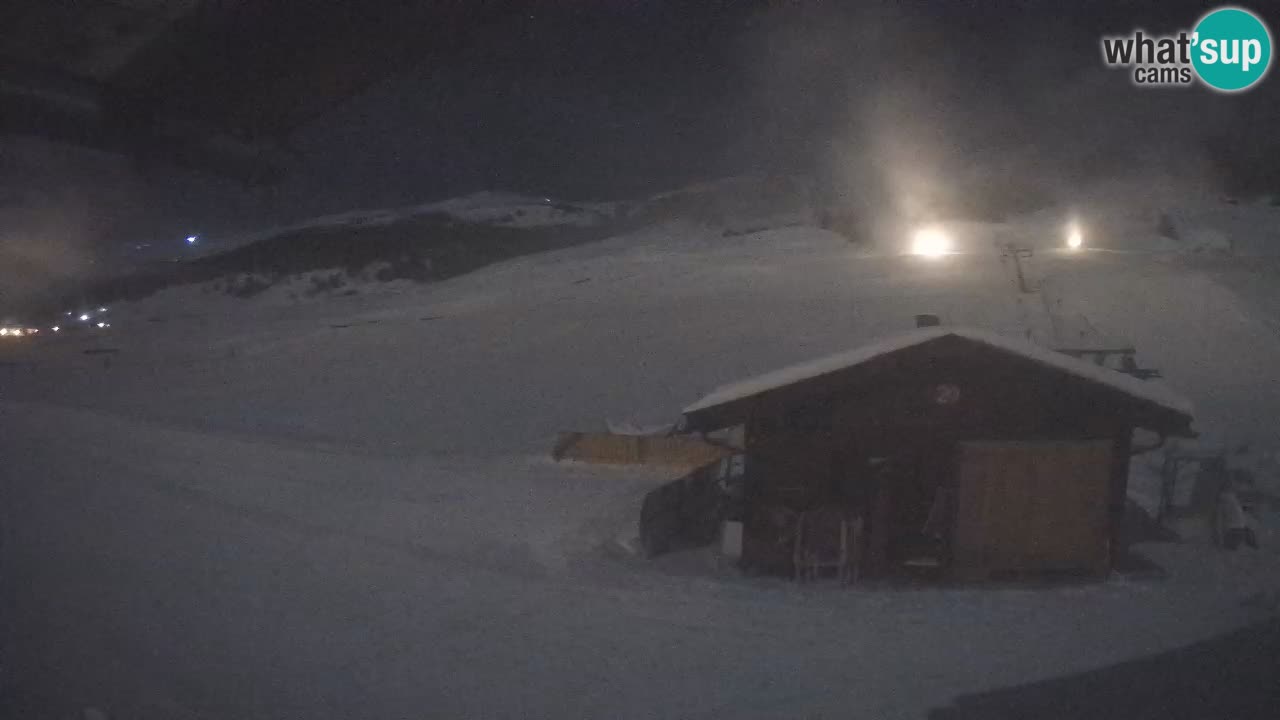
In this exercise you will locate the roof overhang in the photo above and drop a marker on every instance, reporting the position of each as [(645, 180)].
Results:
[(1158, 408)]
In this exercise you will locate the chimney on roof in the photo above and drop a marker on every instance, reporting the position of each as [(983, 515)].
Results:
[(924, 321)]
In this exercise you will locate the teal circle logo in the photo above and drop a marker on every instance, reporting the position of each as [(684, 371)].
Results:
[(1231, 49)]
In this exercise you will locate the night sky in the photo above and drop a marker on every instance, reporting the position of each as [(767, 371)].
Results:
[(594, 100)]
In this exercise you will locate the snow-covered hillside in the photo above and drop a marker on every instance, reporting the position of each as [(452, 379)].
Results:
[(342, 508), (737, 205), (358, 251), (496, 208)]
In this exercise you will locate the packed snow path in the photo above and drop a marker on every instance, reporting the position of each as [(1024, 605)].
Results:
[(168, 574)]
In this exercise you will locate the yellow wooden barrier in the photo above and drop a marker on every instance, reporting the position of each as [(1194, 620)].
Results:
[(610, 449)]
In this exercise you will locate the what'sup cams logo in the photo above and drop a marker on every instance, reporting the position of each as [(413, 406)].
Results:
[(1229, 50)]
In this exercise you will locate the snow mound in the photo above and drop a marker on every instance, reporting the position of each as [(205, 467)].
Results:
[(486, 207), (1238, 229), (739, 205), (509, 209)]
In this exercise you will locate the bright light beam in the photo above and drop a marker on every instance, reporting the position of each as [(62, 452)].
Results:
[(1075, 238), (930, 242)]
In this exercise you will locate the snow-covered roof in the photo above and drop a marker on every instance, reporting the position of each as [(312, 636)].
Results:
[(1151, 392)]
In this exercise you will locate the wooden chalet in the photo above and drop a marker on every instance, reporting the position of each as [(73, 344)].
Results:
[(947, 451)]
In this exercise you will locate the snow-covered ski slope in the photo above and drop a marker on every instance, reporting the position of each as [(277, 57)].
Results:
[(635, 328), (343, 509), (498, 361)]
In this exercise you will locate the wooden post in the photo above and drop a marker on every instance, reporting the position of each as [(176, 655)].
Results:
[(878, 543), (1119, 494)]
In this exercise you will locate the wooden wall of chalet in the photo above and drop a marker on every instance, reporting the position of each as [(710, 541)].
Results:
[(817, 441), (1031, 507)]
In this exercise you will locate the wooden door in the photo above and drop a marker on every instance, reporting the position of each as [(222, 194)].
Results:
[(1027, 507)]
